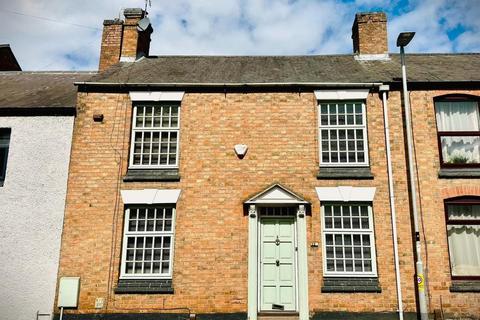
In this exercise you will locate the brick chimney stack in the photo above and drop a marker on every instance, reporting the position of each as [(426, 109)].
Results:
[(123, 40), (369, 35)]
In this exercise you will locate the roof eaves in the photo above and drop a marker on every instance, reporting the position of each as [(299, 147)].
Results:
[(232, 84)]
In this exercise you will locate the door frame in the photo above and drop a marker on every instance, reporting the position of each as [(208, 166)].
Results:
[(259, 255), (302, 263)]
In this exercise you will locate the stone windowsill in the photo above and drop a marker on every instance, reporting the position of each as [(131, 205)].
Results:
[(462, 173), (144, 286), (350, 285), (326, 173), (465, 286), (151, 175)]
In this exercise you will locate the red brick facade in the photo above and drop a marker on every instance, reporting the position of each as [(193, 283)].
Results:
[(211, 229)]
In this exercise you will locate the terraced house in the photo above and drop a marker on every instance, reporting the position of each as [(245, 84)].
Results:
[(237, 187)]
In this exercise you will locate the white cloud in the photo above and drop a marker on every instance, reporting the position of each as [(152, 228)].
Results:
[(234, 27), (372, 3), (432, 20)]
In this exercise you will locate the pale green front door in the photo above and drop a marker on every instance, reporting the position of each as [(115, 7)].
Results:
[(277, 264)]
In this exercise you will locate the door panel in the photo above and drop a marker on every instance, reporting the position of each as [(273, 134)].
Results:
[(277, 263)]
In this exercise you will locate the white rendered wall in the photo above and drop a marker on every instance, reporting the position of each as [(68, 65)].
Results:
[(32, 203)]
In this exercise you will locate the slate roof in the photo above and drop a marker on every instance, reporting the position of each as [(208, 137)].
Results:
[(39, 89), (219, 70)]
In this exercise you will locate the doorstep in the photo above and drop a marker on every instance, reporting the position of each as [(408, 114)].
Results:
[(278, 315)]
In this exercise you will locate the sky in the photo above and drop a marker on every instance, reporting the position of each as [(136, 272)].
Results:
[(66, 34)]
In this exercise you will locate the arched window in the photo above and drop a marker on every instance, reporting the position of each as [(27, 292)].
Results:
[(458, 130), (463, 231)]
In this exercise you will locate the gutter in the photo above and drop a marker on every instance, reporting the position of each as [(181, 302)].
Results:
[(233, 84)]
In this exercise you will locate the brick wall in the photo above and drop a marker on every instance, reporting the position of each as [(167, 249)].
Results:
[(369, 33), (432, 192), (210, 262), (111, 43)]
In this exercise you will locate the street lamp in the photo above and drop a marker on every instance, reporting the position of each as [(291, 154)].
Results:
[(403, 40)]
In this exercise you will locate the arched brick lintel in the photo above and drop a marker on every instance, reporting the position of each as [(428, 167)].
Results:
[(460, 191)]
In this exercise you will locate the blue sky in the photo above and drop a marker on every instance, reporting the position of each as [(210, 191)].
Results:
[(66, 34)]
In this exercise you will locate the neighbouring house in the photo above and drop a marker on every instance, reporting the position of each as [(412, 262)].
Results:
[(8, 62), (36, 122), (240, 187)]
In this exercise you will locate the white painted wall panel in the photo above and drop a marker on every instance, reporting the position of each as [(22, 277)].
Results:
[(32, 203)]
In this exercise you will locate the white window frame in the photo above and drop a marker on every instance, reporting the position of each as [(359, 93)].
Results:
[(366, 161), (370, 231), (126, 234), (151, 130)]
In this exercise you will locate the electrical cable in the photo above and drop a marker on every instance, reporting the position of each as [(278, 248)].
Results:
[(70, 52), (49, 19)]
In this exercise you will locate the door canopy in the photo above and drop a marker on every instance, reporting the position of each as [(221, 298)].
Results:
[(276, 194)]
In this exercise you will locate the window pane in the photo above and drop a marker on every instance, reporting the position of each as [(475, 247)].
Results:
[(358, 108), (165, 267), (463, 212), (461, 150), (337, 211), (329, 239), (338, 252), (366, 252), (339, 264), (464, 248), (174, 121), (130, 255), (350, 119), (367, 265), (328, 223), (332, 108), (358, 119), (358, 266), (355, 223), (457, 116), (349, 265), (324, 120), (323, 108), (174, 111), (329, 252), (330, 265), (361, 157), (346, 223), (349, 108), (132, 225)]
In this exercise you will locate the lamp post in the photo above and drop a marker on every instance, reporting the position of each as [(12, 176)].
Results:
[(404, 39)]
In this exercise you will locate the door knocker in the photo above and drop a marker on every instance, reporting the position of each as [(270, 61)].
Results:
[(277, 242)]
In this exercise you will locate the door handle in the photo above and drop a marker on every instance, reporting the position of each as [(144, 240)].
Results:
[(277, 263)]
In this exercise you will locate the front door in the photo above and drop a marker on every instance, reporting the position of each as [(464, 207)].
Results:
[(277, 264)]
